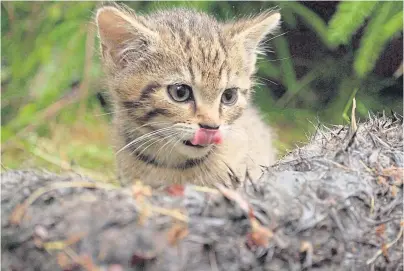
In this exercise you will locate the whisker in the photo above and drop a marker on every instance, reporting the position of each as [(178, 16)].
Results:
[(175, 145), (277, 36), (110, 113), (149, 124), (166, 144), (143, 137), (265, 79), (155, 141), (277, 59), (215, 165)]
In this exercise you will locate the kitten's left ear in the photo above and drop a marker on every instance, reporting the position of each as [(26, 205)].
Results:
[(252, 31), (122, 34)]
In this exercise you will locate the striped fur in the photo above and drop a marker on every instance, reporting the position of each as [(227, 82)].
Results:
[(143, 55)]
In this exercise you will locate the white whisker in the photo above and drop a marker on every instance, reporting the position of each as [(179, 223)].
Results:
[(171, 134), (166, 144), (110, 113), (143, 137)]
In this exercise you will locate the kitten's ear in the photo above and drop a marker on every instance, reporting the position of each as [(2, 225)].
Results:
[(252, 31), (120, 33)]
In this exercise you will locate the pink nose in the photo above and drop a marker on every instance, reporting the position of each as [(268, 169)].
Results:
[(207, 136)]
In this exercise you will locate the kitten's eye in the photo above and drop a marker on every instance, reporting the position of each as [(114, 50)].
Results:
[(229, 96), (180, 93)]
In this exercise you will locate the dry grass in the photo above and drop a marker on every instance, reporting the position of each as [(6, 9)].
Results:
[(81, 146)]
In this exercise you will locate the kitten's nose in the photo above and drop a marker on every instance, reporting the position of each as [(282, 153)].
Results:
[(209, 126)]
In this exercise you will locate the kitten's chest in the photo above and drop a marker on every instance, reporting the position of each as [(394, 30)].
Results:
[(211, 171)]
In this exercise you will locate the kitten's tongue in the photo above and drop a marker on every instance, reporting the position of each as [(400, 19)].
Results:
[(207, 136)]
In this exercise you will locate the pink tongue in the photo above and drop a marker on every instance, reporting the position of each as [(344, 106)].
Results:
[(207, 136)]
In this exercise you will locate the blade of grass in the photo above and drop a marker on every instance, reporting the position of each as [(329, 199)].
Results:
[(347, 19), (310, 18), (348, 104), (286, 64)]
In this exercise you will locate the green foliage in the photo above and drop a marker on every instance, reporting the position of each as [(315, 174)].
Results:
[(381, 21), (36, 50), (348, 18), (309, 17), (378, 32)]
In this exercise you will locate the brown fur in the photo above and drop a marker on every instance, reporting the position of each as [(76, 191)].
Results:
[(142, 55)]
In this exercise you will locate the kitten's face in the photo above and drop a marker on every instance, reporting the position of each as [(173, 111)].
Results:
[(181, 74)]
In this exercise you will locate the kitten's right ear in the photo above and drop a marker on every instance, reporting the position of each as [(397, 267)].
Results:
[(121, 34)]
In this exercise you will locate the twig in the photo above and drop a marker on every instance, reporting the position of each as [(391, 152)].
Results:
[(84, 261), (353, 118), (372, 205), (338, 165), (380, 251), (63, 244), (173, 213), (205, 189), (366, 167)]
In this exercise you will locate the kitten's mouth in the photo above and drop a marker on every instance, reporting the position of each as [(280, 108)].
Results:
[(204, 137), (188, 143)]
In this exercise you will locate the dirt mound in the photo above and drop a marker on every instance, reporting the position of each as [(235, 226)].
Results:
[(335, 204)]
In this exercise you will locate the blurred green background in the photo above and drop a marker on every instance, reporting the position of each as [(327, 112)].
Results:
[(53, 114)]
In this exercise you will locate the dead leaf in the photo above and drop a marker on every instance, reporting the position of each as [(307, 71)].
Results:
[(382, 180), (176, 190), (385, 252), (259, 236), (176, 233), (63, 260), (88, 264), (380, 230), (17, 214), (397, 174), (234, 196), (139, 190), (394, 190)]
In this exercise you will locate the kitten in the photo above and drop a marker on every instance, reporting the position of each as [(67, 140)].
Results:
[(181, 83)]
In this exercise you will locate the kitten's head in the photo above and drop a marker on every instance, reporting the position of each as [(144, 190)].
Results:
[(182, 69)]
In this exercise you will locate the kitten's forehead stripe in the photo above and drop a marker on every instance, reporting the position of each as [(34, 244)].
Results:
[(223, 46), (221, 68), (216, 57), (188, 44), (201, 43), (147, 91), (191, 70)]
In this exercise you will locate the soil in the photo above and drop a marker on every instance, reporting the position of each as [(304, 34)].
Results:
[(334, 204)]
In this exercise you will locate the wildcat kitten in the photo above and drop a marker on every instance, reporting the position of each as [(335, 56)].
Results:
[(180, 83)]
